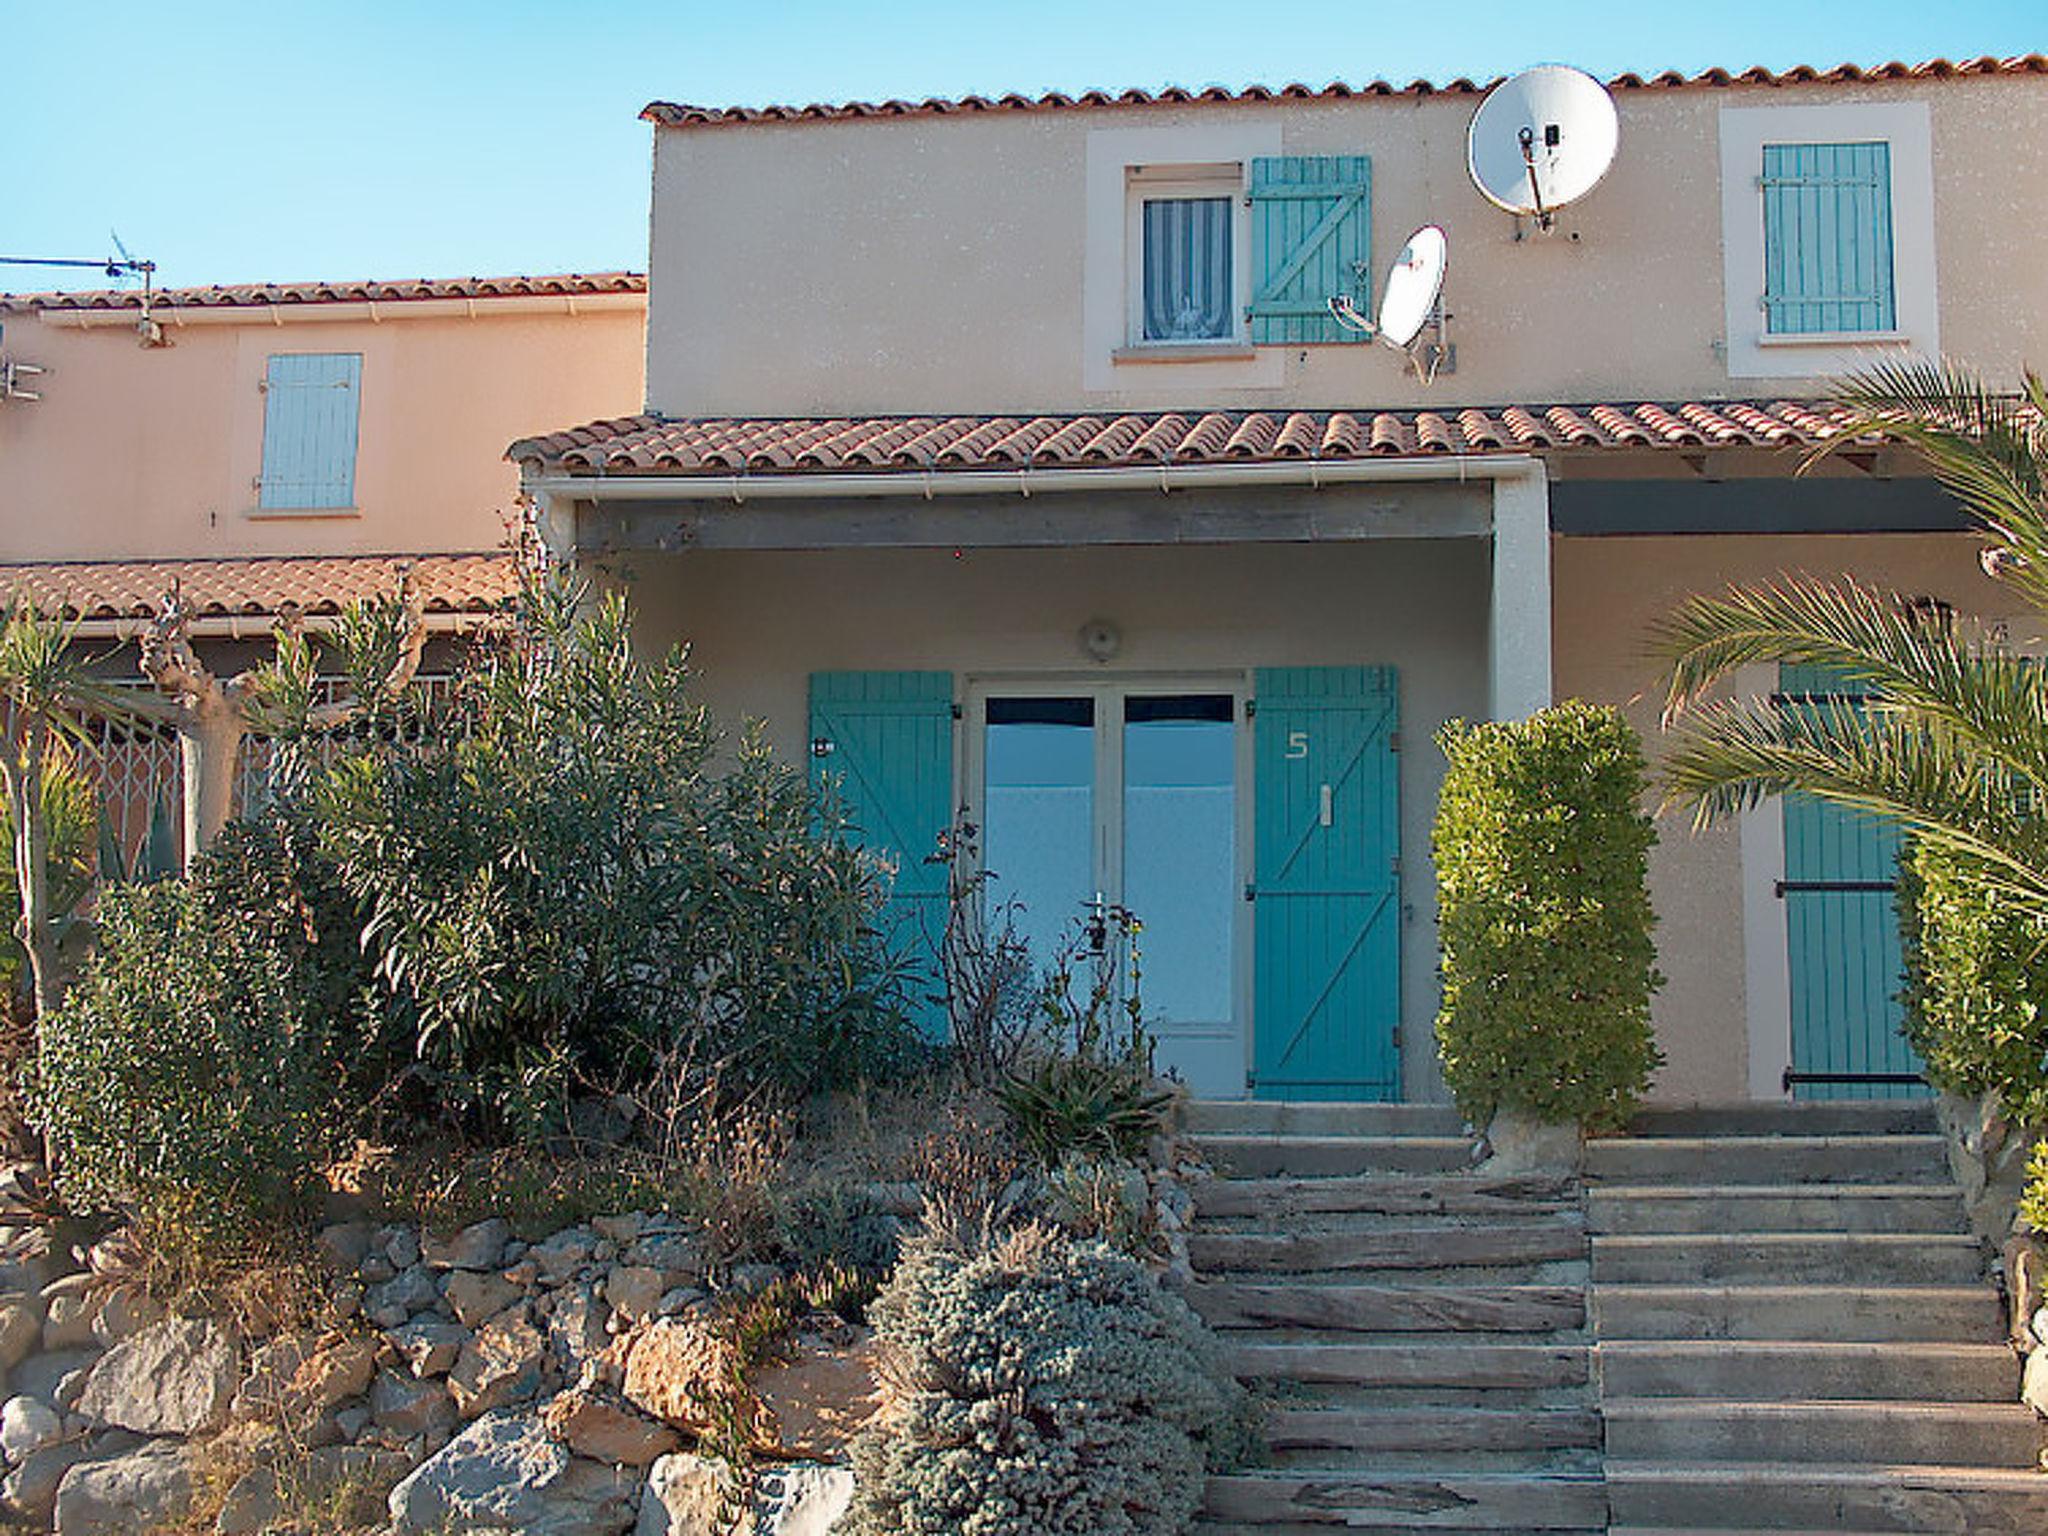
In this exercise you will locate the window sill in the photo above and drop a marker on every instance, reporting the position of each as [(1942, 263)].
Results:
[(1834, 339), (1185, 352), (290, 512)]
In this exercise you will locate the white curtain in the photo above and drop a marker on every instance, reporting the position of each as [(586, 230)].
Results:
[(1187, 268)]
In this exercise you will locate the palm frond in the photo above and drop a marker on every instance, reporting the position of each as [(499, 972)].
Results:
[(1988, 447), (1731, 755), (1947, 678)]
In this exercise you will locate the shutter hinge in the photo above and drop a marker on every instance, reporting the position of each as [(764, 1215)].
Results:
[(1251, 892), (956, 711), (1394, 741), (1395, 866), (1396, 1032), (1251, 708), (822, 746), (263, 386)]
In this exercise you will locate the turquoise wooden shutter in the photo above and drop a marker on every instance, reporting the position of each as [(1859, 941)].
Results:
[(1842, 934), (1311, 240), (310, 409), (1326, 989), (1827, 238), (886, 740)]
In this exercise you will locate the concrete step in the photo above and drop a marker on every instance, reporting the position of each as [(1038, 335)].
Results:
[(1333, 1156), (1726, 1208), (1809, 1497), (1840, 1117), (1447, 1500), (1266, 1117), (1851, 1313), (1410, 1363), (1282, 1201), (1776, 1371), (1946, 1434), (1871, 1258), (1382, 1431), (1390, 1308), (1832, 1160), (1492, 1245)]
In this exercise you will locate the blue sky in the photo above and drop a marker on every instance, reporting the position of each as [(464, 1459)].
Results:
[(237, 142)]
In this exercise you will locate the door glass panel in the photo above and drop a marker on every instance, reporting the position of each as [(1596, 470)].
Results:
[(1180, 817), (1040, 814)]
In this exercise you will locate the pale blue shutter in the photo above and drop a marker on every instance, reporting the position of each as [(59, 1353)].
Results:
[(1311, 240), (1827, 238), (1326, 914), (885, 740), (310, 409)]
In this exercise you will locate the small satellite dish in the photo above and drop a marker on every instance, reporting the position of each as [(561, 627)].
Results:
[(1414, 284), (1408, 302), (1541, 140)]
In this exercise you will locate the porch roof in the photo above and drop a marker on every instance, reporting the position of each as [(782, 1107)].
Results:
[(246, 595), (652, 445)]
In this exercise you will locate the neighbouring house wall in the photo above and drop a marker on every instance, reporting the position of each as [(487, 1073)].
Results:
[(140, 453), (943, 264), (1607, 593), (758, 624)]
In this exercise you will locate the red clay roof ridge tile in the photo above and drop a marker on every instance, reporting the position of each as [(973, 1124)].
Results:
[(670, 114), (376, 291)]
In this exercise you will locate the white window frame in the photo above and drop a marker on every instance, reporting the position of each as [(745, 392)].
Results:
[(1908, 129), (1146, 183), (1176, 373)]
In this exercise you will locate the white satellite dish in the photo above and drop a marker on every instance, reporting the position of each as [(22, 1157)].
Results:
[(1408, 301), (1541, 140), (1414, 284)]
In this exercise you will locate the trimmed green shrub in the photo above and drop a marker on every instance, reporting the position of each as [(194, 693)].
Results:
[(1042, 1385), (1976, 995), (1544, 918)]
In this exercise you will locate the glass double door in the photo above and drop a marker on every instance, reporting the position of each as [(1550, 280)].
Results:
[(1127, 794)]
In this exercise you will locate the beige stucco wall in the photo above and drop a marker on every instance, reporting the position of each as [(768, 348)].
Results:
[(137, 452), (937, 263), (1608, 593), (758, 624)]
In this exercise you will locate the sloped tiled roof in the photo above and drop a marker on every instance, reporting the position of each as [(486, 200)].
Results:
[(256, 589), (263, 295), (678, 115), (650, 445)]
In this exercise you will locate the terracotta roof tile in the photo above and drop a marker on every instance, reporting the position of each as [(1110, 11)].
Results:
[(264, 295), (257, 589), (669, 114), (645, 445)]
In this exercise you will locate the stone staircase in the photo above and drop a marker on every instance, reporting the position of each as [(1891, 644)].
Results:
[(1779, 1322), (1796, 1331), (1417, 1332)]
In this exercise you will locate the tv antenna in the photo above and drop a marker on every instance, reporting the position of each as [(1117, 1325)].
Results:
[(1410, 302), (1542, 140), (115, 267)]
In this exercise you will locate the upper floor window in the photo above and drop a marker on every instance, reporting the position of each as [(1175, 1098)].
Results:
[(1827, 225), (311, 404), (1247, 254), (1827, 238)]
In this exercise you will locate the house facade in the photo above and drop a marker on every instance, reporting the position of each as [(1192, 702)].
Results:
[(1005, 458), (275, 448)]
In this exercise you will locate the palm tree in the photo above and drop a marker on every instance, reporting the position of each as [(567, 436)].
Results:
[(1951, 737), (46, 692)]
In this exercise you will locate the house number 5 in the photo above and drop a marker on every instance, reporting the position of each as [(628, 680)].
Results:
[(1297, 745)]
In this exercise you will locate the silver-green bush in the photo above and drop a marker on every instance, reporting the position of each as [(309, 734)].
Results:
[(1043, 1385)]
